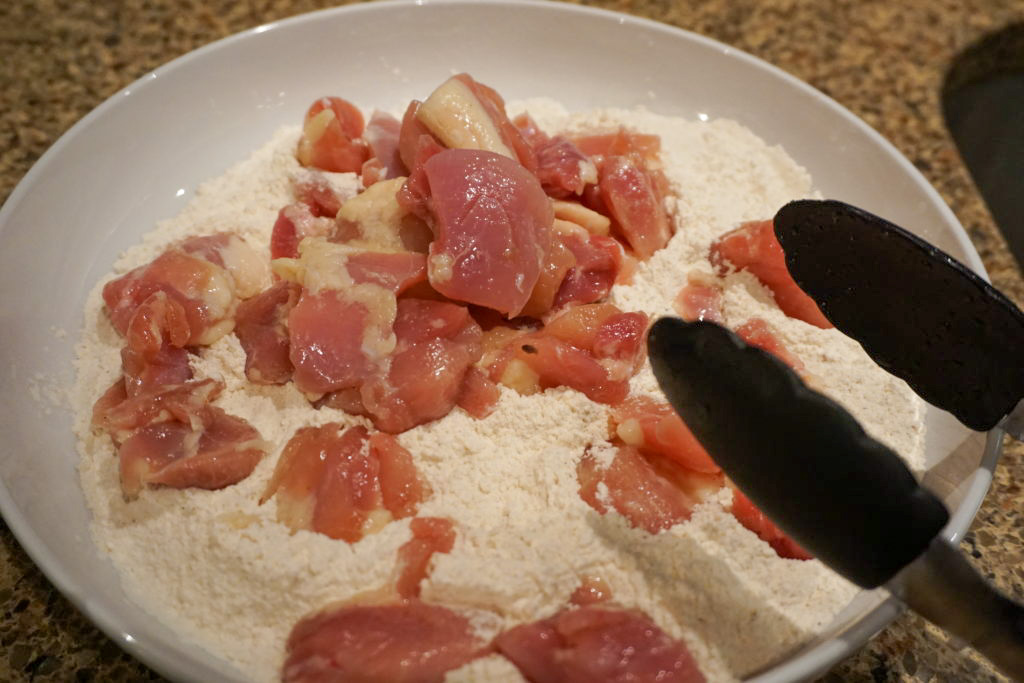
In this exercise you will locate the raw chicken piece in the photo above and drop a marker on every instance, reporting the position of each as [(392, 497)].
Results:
[(168, 366), (753, 247), (393, 271), (331, 137), (594, 349), (382, 134), (654, 427), (202, 278), (373, 172), (355, 271), (261, 326), (114, 396), (752, 518), (633, 200), (465, 114), (598, 261), (294, 223), (597, 645), (153, 355), (341, 483), (576, 213), (312, 188), (120, 414), (492, 223), (562, 169), (219, 451), (622, 142), (619, 343), (341, 328), (615, 337), (636, 489), (437, 342), (326, 342), (591, 591), (631, 187), (759, 333), (699, 299), (204, 290), (416, 143), (326, 481), (478, 395), (407, 642), (429, 535), (559, 262), (401, 488), (172, 436), (348, 400), (558, 363), (229, 251)]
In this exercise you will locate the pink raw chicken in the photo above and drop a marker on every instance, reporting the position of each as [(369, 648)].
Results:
[(633, 200), (261, 327), (153, 355), (401, 488), (416, 143), (630, 187), (339, 484), (329, 328), (593, 349), (494, 105), (559, 262), (591, 591), (699, 300), (622, 142), (754, 247), (437, 343), (314, 190), (394, 271), (752, 518), (759, 333), (654, 427), (429, 535), (492, 223), (202, 289), (232, 253), (326, 332), (172, 436), (331, 137), (563, 170), (121, 415), (407, 642), (653, 493), (597, 645), (382, 134), (598, 260), (478, 395), (294, 223), (218, 451)]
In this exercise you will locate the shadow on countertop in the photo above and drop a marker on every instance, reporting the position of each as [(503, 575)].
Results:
[(982, 102)]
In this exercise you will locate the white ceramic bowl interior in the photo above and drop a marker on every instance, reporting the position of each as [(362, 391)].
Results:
[(138, 157)]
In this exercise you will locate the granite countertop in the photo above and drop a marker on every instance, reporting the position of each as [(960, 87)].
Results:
[(886, 61)]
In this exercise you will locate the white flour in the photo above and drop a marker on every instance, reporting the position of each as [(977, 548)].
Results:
[(218, 567)]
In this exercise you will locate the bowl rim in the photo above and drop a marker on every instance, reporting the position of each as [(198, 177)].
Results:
[(807, 662)]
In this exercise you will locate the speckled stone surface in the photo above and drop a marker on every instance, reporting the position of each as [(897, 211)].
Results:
[(886, 61)]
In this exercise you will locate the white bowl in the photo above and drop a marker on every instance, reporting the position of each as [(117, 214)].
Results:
[(137, 157)]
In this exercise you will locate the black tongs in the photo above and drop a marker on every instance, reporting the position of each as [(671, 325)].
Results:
[(919, 313), (808, 464)]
